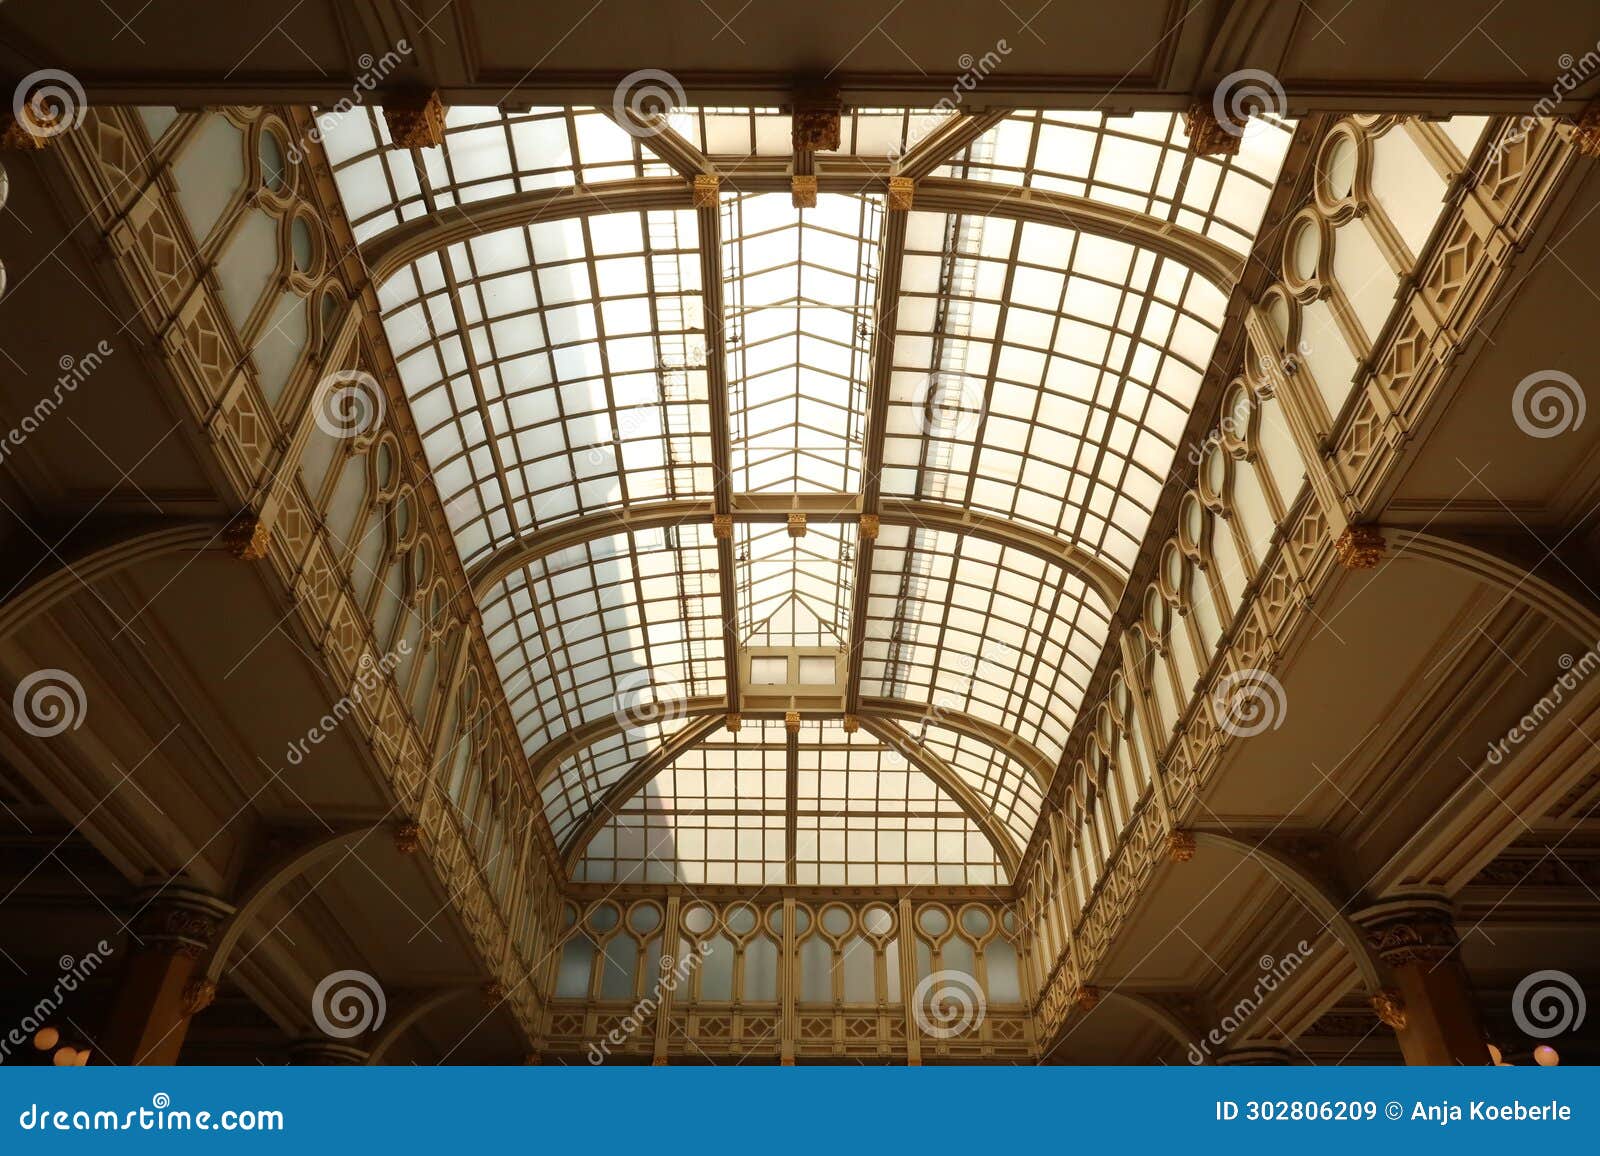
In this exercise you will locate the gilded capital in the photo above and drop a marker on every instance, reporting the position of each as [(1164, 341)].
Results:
[(722, 526), (408, 838), (732, 721), (1359, 547), (869, 527), (852, 723), (707, 187), (1086, 997), (1180, 846), (791, 721), (797, 525), (902, 191), (1586, 130), (248, 538), (178, 921), (803, 192)]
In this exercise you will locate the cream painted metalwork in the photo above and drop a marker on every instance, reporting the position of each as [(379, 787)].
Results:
[(558, 369)]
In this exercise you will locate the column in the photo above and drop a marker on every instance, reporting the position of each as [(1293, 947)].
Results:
[(1430, 1003), (172, 929)]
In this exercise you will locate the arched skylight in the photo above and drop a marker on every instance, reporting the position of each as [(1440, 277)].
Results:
[(567, 380)]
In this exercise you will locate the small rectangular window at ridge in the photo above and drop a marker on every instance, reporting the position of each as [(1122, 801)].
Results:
[(817, 670), (769, 671)]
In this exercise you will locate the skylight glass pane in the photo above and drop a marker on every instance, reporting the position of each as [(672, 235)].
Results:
[(620, 626), (556, 370), (864, 816), (1138, 162), (967, 625), (799, 292)]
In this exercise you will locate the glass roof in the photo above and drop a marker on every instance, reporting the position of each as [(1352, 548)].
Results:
[(1139, 161), (562, 369), (863, 816), (798, 288)]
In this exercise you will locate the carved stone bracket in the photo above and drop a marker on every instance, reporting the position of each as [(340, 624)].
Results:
[(198, 995), (416, 125), (1208, 137), (1359, 547), (1391, 1008)]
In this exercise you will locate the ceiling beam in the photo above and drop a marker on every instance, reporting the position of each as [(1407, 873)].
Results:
[(946, 141), (1024, 752), (710, 237), (661, 138), (891, 259), (1099, 573), (391, 251)]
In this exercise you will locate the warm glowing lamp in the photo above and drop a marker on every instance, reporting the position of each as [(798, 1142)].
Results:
[(46, 1038), (1546, 1056), (65, 1057)]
